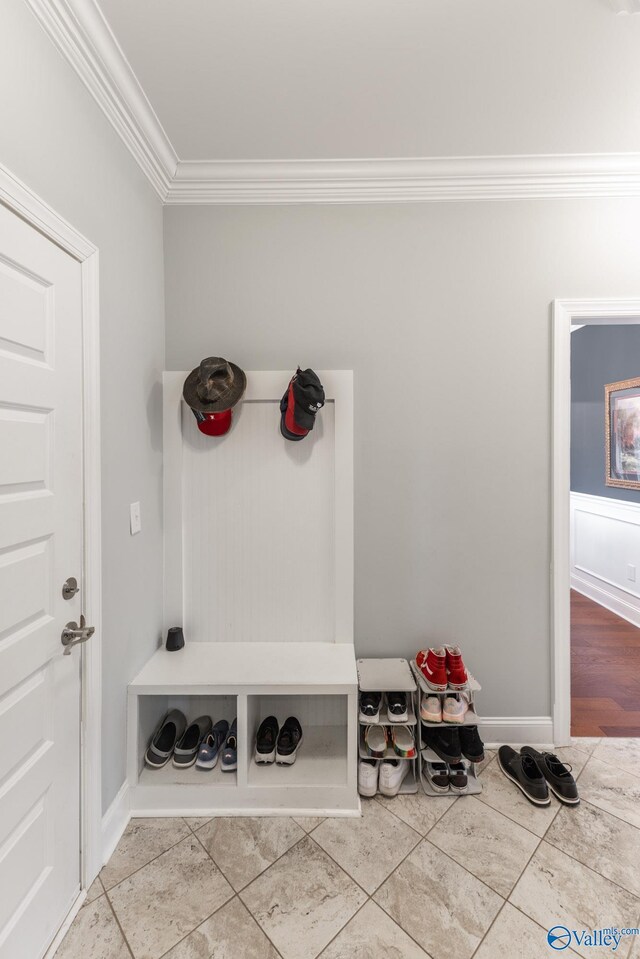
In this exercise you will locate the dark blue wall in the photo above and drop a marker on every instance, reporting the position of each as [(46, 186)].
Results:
[(599, 355)]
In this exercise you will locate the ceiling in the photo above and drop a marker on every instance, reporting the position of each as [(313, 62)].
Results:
[(363, 101), (318, 79)]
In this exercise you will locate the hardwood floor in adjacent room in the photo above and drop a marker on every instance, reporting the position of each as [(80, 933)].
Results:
[(605, 671)]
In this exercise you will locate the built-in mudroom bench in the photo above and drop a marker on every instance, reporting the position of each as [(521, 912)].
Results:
[(259, 573)]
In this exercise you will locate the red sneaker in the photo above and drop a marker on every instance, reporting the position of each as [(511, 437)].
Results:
[(456, 672), (432, 664)]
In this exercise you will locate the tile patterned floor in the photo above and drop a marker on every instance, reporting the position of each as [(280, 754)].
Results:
[(414, 878)]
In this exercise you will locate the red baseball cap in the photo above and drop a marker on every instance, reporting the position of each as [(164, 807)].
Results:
[(213, 424)]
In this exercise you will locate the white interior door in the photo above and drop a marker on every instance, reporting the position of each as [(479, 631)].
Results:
[(41, 542)]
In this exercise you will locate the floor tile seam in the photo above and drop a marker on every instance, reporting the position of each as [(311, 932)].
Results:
[(206, 919), (389, 916), (341, 868), (535, 922), (585, 866), (319, 955), (511, 819), (371, 894), (263, 931), (211, 857), (314, 828), (119, 924), (589, 802), (405, 824), (421, 834), (616, 765), (114, 910), (502, 898), (201, 826), (221, 870), (532, 854), (383, 806), (133, 873), (468, 871), (263, 871), (493, 921), (347, 873), (215, 911), (520, 874), (592, 802)]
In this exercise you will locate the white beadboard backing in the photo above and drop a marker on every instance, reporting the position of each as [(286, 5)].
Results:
[(309, 710), (258, 529), (605, 542), (259, 522)]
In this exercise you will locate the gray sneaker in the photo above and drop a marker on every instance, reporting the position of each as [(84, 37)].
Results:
[(211, 745), (186, 751), (229, 754), (164, 739)]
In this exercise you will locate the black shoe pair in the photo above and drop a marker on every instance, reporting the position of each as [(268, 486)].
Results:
[(536, 773), (447, 777), (370, 704), (279, 745), (451, 745)]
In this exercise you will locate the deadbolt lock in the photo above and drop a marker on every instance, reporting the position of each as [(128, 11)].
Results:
[(70, 588)]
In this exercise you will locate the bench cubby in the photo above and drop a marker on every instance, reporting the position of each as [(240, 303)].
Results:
[(258, 559)]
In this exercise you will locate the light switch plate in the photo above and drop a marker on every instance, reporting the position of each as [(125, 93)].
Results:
[(134, 517)]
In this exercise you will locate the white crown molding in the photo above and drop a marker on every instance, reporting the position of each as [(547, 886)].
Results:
[(80, 32), (408, 181)]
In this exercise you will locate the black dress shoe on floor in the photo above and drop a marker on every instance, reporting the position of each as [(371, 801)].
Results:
[(523, 771), (444, 742), (558, 776), (470, 743)]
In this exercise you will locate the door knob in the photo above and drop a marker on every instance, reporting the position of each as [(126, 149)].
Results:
[(72, 634)]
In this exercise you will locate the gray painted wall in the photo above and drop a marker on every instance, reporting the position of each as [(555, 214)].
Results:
[(55, 138), (443, 312), (599, 355)]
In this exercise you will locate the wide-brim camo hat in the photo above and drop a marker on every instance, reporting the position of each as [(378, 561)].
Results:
[(211, 391)]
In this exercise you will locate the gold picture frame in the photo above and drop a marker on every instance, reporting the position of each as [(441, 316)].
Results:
[(622, 433)]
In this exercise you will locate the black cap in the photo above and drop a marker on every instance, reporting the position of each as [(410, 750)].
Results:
[(299, 405)]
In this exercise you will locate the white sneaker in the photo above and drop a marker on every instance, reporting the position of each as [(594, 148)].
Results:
[(392, 774), (431, 709), (453, 710), (368, 777)]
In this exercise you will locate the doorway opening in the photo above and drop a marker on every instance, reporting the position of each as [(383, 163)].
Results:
[(596, 519)]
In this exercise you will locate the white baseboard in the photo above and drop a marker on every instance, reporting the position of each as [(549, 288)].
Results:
[(66, 925), (115, 821), (534, 730), (608, 598)]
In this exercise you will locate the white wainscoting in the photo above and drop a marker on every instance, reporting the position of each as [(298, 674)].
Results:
[(605, 543)]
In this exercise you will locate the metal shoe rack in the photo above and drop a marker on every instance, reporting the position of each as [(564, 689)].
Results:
[(471, 718), (390, 675)]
